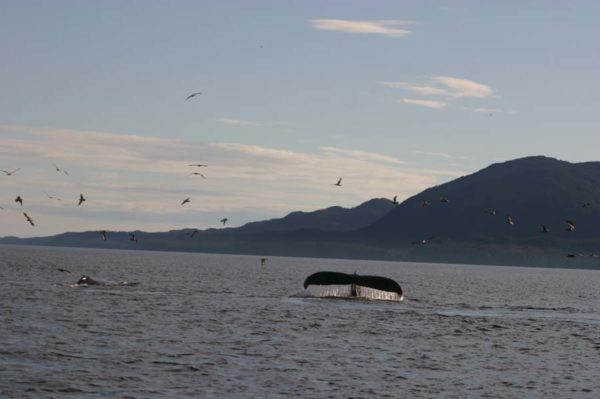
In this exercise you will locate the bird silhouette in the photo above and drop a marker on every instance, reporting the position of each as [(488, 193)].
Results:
[(133, 238), (395, 200), (51, 197), (262, 261), (81, 199), (224, 220), (339, 183), (60, 170), (194, 232), (199, 165), (185, 201), (19, 200), (11, 173), (30, 220), (103, 234), (509, 220), (570, 225), (544, 228), (193, 95), (445, 200), (60, 269), (199, 174)]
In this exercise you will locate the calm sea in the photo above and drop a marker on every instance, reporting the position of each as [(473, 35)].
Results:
[(223, 326)]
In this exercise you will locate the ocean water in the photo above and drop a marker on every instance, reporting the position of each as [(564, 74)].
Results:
[(202, 325)]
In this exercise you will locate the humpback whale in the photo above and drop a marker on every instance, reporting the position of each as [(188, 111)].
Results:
[(86, 280), (355, 281)]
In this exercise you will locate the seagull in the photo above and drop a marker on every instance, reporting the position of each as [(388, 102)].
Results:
[(544, 228), (132, 237), (199, 165), (339, 183), (199, 174), (395, 200), (103, 234), (19, 200), (81, 199), (30, 220), (51, 197), (570, 225), (491, 212), (193, 95), (60, 170), (60, 269), (185, 201), (425, 204), (193, 233), (11, 173), (510, 220), (224, 220), (571, 255), (262, 261)]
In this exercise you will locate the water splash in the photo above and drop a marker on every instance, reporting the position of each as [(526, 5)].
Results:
[(342, 291)]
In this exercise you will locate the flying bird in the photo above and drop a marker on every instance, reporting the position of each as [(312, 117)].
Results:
[(30, 220), (395, 200), (199, 174), (103, 234), (199, 165), (262, 261), (570, 225), (81, 199), (544, 228), (185, 201), (445, 200), (193, 95), (339, 183), (509, 220), (193, 233), (60, 170), (51, 197), (60, 269), (19, 200), (224, 220), (133, 238), (11, 173)]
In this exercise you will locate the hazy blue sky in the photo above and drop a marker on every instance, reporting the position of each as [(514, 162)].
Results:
[(393, 96)]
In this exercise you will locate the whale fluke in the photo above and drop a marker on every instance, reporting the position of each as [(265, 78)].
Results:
[(337, 278)]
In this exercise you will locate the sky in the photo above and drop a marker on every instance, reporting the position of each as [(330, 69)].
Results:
[(391, 96)]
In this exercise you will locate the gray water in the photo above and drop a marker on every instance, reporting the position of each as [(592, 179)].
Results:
[(223, 326)]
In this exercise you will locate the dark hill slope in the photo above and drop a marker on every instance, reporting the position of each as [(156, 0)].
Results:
[(533, 190)]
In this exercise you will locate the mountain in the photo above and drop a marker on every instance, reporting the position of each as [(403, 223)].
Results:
[(534, 191), (334, 218)]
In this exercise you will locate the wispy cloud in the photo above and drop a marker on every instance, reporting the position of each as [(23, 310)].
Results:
[(389, 28), (139, 182), (439, 154), (489, 110), (463, 87), (425, 103), (237, 122), (419, 88)]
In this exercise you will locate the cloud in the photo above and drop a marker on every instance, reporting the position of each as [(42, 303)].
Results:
[(464, 88), (425, 103), (489, 110), (137, 182), (439, 154), (238, 122), (389, 28), (421, 89)]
